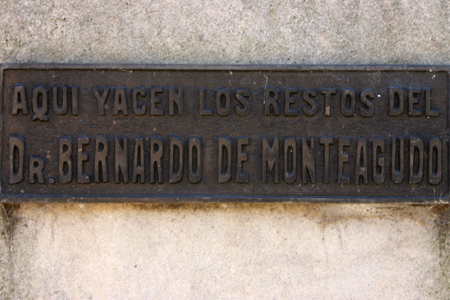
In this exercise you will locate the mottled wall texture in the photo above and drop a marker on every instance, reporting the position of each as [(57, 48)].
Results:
[(225, 251)]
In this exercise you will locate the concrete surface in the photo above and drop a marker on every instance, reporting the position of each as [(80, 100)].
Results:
[(224, 251), (233, 31)]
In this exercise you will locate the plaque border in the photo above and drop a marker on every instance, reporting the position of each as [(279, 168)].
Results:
[(207, 198)]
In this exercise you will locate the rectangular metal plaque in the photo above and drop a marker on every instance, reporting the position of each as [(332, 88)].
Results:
[(97, 133)]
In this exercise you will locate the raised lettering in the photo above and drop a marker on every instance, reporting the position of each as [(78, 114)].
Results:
[(396, 96), (413, 100), (290, 160), (397, 165), (271, 96), (155, 101), (138, 93), (40, 104), (19, 100), (289, 100), (430, 112), (367, 97), (156, 154), (243, 108), (223, 104), (361, 161), (308, 163), (328, 92), (348, 96), (59, 110), (379, 162), (176, 102), (101, 100), (138, 162), (326, 141), (307, 97), (242, 157), (101, 153), (120, 102), (224, 159), (82, 157), (435, 161), (270, 159), (343, 159), (16, 159), (65, 160), (176, 159), (415, 160), (204, 111), (36, 167), (195, 160), (121, 159)]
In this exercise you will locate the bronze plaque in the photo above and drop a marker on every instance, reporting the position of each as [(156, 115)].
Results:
[(156, 133)]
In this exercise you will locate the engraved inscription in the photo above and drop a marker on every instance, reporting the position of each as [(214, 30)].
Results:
[(210, 134)]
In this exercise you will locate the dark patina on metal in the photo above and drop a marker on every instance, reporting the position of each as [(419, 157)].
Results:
[(156, 133)]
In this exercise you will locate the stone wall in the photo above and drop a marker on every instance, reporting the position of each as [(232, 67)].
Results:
[(225, 251)]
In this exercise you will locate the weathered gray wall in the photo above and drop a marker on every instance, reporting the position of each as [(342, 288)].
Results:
[(225, 251), (233, 31)]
